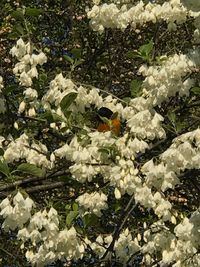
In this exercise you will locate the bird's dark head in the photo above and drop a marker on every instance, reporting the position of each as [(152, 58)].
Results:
[(105, 113)]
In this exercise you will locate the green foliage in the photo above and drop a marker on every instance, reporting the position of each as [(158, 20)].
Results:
[(71, 216), (196, 90), (18, 14), (72, 213), (67, 101), (144, 52), (69, 59), (33, 12), (135, 88), (77, 53), (90, 220), (4, 169), (30, 169)]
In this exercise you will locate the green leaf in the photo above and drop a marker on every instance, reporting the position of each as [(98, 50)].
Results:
[(180, 126), (114, 115), (77, 52), (78, 62), (4, 169), (69, 59), (105, 154), (132, 54), (13, 35), (33, 12), (90, 219), (196, 90), (117, 206), (146, 49), (126, 99), (18, 29), (135, 87), (67, 101), (47, 115), (18, 14), (68, 113), (10, 88), (171, 116), (68, 207), (43, 77), (75, 206), (30, 169), (70, 217), (57, 118)]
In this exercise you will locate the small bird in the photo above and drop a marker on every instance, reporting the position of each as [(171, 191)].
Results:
[(108, 121)]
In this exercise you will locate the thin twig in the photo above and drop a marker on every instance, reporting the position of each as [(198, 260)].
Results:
[(8, 253), (122, 221)]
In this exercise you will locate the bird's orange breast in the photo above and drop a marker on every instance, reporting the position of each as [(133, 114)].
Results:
[(115, 127)]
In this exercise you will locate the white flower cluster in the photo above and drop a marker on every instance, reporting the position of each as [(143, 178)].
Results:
[(92, 157), (100, 245), (160, 176), (30, 93), (33, 154), (26, 70), (147, 125), (110, 16), (86, 157), (130, 147), (26, 67), (93, 202), (59, 87), (179, 248), (161, 207), (123, 176), (49, 244), (165, 80), (125, 246), (142, 122), (16, 212), (188, 241), (30, 105), (92, 152), (183, 154), (157, 238)]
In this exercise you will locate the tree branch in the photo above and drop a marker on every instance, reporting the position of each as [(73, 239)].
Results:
[(122, 221), (45, 187)]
